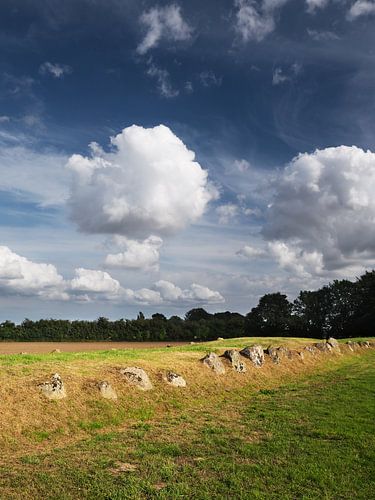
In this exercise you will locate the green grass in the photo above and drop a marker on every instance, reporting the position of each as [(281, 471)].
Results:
[(312, 438), (123, 355)]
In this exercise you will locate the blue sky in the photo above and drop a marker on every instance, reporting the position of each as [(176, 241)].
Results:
[(241, 160)]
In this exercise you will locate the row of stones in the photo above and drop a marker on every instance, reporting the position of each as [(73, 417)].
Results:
[(256, 354), (55, 388)]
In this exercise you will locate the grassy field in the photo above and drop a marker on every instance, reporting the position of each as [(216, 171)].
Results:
[(296, 430)]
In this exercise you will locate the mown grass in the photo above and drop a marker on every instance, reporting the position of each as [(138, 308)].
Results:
[(152, 353), (310, 438)]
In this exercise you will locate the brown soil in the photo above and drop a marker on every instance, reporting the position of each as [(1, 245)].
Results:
[(46, 347)]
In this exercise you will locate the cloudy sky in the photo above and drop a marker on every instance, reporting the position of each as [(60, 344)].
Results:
[(160, 156)]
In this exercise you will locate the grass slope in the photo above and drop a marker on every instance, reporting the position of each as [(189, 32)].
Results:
[(289, 435)]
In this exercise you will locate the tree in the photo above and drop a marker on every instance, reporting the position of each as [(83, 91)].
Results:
[(272, 316), (197, 314)]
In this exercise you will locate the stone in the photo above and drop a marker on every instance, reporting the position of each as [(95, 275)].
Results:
[(277, 353), (364, 344), (106, 390), (53, 389), (138, 377), (323, 346), (220, 338), (274, 354), (56, 351), (333, 343), (311, 349), (255, 354), (301, 355), (235, 359), (353, 346), (212, 361), (174, 379)]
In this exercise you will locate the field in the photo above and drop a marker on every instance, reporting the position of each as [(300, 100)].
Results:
[(47, 347), (301, 429)]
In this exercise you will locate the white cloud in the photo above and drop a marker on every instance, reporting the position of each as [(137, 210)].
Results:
[(55, 69), (4, 119), (163, 23), (162, 78), (254, 21), (251, 252), (361, 8), (323, 213), (136, 254), (149, 183), (90, 280), (194, 294), (227, 212), (19, 275), (313, 5)]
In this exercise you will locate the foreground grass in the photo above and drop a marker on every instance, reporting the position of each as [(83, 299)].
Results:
[(312, 437)]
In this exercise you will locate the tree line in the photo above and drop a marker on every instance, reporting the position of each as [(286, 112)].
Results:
[(341, 309)]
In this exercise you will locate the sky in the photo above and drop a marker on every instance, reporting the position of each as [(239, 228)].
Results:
[(161, 156)]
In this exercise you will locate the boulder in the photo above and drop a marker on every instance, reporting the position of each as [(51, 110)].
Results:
[(311, 349), (56, 351), (212, 361), (364, 344), (54, 388), (174, 379), (323, 346), (138, 377), (353, 346), (235, 359), (301, 355), (277, 353), (333, 343), (106, 390), (255, 354), (273, 353), (220, 338)]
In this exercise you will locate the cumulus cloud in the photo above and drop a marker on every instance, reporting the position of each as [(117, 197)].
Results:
[(254, 21), (19, 275), (136, 254), (251, 252), (162, 78), (194, 294), (54, 69), (90, 280), (322, 216), (163, 23), (361, 8), (149, 183)]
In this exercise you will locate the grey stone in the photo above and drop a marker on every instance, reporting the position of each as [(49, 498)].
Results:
[(174, 379), (323, 346), (56, 351), (274, 354), (138, 377), (278, 353), (54, 388), (235, 359), (212, 361), (333, 343), (364, 344), (106, 390), (311, 349), (255, 354)]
